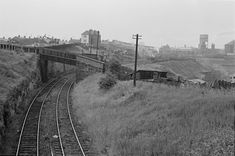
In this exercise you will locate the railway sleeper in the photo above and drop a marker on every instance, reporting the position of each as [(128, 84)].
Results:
[(28, 145)]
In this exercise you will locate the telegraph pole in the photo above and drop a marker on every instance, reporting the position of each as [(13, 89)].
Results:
[(76, 70), (91, 46), (137, 37), (64, 67), (97, 46)]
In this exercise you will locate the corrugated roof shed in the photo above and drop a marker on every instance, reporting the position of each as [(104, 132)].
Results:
[(149, 67)]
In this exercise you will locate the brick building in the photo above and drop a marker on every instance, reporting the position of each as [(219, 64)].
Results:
[(91, 38), (230, 47)]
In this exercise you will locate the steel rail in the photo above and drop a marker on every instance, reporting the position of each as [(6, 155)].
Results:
[(26, 116), (71, 122), (57, 118), (40, 113)]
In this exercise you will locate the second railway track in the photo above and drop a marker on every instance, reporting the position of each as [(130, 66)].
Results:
[(67, 134)]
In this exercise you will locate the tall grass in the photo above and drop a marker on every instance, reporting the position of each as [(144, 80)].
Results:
[(155, 119), (13, 69)]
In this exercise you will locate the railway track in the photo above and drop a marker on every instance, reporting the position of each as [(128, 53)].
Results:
[(28, 139), (63, 137), (48, 143), (58, 127), (68, 137), (82, 138)]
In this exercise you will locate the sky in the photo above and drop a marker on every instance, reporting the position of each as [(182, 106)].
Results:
[(160, 22)]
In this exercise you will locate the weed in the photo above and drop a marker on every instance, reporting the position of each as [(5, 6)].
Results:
[(156, 120)]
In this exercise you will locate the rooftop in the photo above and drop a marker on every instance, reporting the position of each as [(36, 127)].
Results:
[(87, 32), (149, 67), (231, 43)]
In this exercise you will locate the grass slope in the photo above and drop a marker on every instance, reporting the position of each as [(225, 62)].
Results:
[(187, 68), (226, 65), (15, 72), (154, 119), (13, 69)]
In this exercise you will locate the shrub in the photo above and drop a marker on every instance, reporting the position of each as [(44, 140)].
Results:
[(107, 82), (114, 67)]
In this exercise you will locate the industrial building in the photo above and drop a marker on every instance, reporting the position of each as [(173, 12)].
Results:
[(230, 47), (203, 41), (91, 38)]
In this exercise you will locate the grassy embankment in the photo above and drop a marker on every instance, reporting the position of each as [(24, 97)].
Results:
[(19, 81), (154, 119), (225, 65), (18, 78), (13, 69)]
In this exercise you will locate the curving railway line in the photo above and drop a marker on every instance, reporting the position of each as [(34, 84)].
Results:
[(48, 128), (27, 144)]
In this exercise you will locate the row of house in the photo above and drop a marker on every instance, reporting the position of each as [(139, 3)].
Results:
[(32, 41)]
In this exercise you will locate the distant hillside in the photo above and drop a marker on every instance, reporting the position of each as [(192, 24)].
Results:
[(118, 47), (187, 68), (123, 59), (128, 49), (225, 64)]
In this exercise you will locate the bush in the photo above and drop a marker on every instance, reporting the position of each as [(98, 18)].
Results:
[(107, 82), (114, 67)]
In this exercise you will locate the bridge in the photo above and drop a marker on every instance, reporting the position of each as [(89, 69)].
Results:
[(47, 54)]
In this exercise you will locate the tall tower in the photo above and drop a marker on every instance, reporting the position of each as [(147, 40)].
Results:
[(203, 42), (213, 46)]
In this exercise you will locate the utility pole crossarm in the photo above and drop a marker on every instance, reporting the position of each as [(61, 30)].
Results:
[(135, 36)]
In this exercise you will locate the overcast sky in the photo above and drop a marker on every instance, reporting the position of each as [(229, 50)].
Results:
[(173, 22)]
